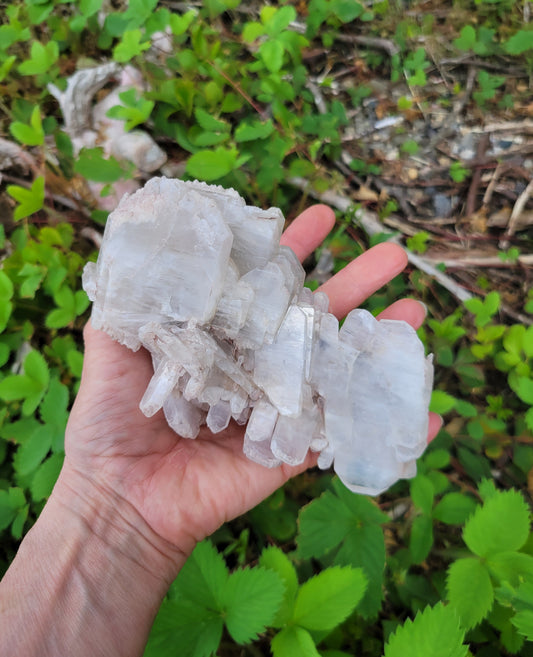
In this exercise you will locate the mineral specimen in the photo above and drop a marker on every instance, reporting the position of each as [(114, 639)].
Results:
[(198, 278)]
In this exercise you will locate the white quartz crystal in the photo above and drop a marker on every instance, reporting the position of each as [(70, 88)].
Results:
[(198, 278)]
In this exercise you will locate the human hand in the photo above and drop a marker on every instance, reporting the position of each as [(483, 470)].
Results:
[(185, 489)]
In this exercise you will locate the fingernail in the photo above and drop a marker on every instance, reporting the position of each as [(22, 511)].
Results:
[(424, 307)]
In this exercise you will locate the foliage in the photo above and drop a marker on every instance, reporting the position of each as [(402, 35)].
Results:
[(434, 565)]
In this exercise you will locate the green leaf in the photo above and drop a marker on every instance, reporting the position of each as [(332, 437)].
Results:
[(203, 578), (422, 493), (251, 599), (523, 621), (7, 512), (523, 387), (179, 24), (435, 631), (30, 200), (512, 567), (6, 286), (192, 630), (327, 599), (467, 39), (293, 642), (32, 134), (130, 46), (441, 402), (209, 122), (33, 451), (41, 58), (252, 31), (519, 43), (253, 130), (324, 523), (91, 164), (454, 508), (46, 476), (501, 524), (210, 165), (364, 547), (272, 558), (470, 591), (271, 53), (421, 538), (36, 368)]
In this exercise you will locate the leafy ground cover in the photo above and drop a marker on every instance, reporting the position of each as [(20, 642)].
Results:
[(414, 120)]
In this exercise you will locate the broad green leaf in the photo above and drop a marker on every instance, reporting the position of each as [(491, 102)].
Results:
[(7, 511), (41, 58), (184, 629), (32, 134), (500, 525), (293, 642), (203, 578), (91, 164), (6, 286), (441, 402), (210, 165), (278, 20), (523, 621), (422, 493), (253, 130), (326, 600), (251, 600), (271, 52), (179, 24), (364, 547), (523, 387), (252, 31), (512, 567), (208, 122), (18, 386), (454, 508), (46, 476), (36, 368), (30, 200), (363, 509), (421, 538), (347, 10), (33, 451), (467, 39), (434, 632), (519, 43), (324, 523), (272, 558), (470, 591), (130, 46)]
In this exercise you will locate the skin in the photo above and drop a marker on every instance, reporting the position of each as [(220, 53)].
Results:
[(133, 498)]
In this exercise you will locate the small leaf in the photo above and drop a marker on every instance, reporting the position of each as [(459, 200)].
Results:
[(32, 134), (272, 558), (30, 200), (327, 599), (435, 631), (251, 600), (271, 52), (46, 476), (32, 452), (470, 591), (501, 524), (203, 578), (211, 165), (454, 508), (253, 130), (519, 43), (209, 122), (36, 368), (441, 402), (421, 538), (422, 493), (293, 642)]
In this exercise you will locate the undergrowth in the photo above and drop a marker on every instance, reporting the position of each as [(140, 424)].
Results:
[(436, 564)]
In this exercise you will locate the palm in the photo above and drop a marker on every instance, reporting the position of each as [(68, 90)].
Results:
[(175, 483)]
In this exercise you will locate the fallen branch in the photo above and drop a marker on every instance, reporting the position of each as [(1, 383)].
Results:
[(371, 224)]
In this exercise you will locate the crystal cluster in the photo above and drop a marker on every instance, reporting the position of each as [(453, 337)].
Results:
[(198, 278)]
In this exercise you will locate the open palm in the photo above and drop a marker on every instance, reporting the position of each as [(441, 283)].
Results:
[(185, 489)]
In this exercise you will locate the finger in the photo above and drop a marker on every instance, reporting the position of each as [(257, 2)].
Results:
[(409, 310), (308, 230), (435, 424), (362, 277)]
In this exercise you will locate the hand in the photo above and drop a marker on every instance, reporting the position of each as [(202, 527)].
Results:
[(185, 489)]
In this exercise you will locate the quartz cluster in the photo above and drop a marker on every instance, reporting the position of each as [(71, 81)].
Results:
[(190, 272)]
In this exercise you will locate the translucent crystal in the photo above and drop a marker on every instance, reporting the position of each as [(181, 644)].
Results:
[(198, 278)]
